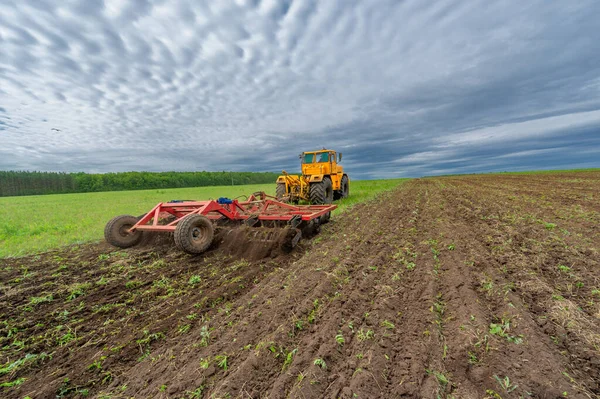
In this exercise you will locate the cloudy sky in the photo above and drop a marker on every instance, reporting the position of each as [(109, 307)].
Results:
[(402, 88)]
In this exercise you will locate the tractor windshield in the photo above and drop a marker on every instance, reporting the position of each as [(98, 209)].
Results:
[(323, 157), (309, 158)]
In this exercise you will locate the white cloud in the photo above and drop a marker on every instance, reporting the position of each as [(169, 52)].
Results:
[(130, 84), (537, 129)]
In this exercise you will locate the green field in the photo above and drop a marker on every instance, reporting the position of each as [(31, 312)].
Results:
[(38, 223)]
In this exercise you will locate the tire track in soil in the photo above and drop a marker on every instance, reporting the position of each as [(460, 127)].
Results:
[(453, 301), (499, 360)]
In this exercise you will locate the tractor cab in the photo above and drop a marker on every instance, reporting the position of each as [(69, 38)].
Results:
[(322, 162)]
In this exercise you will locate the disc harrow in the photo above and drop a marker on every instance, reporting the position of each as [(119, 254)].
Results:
[(193, 223)]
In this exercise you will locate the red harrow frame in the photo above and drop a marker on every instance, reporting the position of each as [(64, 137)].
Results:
[(193, 222)]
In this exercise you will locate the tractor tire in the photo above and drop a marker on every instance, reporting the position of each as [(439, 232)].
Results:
[(344, 190), (345, 187), (194, 234), (321, 192), (115, 232), (280, 191)]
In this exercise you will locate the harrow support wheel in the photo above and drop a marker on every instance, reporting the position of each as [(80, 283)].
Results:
[(194, 234), (116, 232)]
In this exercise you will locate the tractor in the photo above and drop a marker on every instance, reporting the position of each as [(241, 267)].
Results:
[(322, 180)]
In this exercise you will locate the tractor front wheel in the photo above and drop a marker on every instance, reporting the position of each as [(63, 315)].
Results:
[(321, 192), (117, 233), (194, 234)]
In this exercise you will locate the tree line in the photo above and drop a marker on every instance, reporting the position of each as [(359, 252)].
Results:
[(34, 183)]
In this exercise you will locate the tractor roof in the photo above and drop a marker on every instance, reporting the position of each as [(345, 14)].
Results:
[(315, 151)]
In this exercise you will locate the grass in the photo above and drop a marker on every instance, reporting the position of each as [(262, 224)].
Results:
[(363, 335), (38, 223), (222, 361), (320, 363), (41, 299), (502, 330), (388, 324), (505, 384), (14, 383), (10, 367)]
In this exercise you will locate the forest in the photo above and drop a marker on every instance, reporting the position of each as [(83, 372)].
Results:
[(13, 183)]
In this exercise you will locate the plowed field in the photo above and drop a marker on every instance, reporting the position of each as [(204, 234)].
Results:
[(464, 287)]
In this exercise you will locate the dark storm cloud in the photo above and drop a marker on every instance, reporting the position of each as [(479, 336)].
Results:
[(401, 88)]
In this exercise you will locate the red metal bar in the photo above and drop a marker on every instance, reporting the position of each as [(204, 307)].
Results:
[(148, 216), (156, 228), (156, 213)]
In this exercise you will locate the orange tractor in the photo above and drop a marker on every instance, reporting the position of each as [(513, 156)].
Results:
[(322, 181)]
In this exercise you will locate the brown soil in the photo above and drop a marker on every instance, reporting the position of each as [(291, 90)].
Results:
[(465, 287)]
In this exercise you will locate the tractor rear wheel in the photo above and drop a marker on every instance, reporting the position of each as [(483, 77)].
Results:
[(116, 232), (345, 187), (280, 191), (321, 192), (194, 234)]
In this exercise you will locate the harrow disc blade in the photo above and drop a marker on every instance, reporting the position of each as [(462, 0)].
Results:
[(265, 235), (291, 237), (257, 242)]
